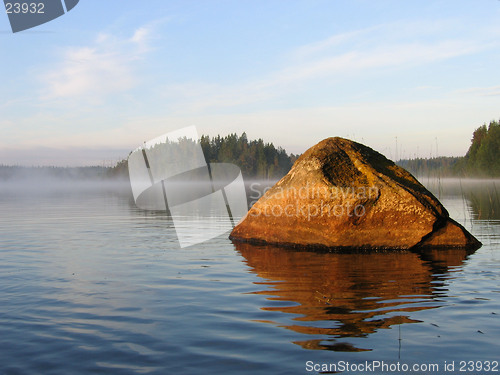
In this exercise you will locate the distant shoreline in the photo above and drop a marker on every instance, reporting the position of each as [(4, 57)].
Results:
[(260, 160), (99, 173)]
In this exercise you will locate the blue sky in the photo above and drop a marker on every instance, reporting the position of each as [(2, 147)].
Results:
[(95, 83)]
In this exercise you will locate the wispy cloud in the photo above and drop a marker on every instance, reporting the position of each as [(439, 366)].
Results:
[(332, 41), (394, 55), (400, 44), (317, 64), (481, 91), (104, 67)]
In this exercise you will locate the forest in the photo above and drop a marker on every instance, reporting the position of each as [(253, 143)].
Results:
[(481, 160), (257, 159), (483, 156)]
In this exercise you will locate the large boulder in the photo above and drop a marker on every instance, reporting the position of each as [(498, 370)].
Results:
[(343, 195)]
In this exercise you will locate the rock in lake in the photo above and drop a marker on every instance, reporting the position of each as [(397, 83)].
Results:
[(343, 195)]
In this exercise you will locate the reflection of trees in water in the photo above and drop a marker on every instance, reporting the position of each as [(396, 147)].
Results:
[(349, 295), (485, 202), (483, 196)]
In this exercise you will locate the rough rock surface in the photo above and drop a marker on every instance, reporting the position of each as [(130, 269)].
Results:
[(344, 195)]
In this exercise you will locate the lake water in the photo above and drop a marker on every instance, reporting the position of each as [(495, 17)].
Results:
[(89, 284)]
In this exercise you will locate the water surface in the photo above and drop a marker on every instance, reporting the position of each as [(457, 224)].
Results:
[(91, 284)]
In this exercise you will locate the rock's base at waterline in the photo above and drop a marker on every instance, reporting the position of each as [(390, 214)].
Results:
[(343, 195)]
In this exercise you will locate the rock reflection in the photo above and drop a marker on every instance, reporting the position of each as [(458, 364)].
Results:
[(342, 295)]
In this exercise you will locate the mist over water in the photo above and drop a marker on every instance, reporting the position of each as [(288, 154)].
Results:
[(89, 283), (35, 180)]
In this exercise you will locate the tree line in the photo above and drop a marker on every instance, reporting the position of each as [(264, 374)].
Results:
[(9, 172), (483, 156), (481, 160), (257, 159), (441, 166), (262, 160)]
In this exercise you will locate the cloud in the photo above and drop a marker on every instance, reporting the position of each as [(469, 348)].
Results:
[(141, 39), (105, 67), (481, 91), (392, 45), (291, 77), (332, 61), (380, 34), (89, 71), (332, 41), (140, 35)]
